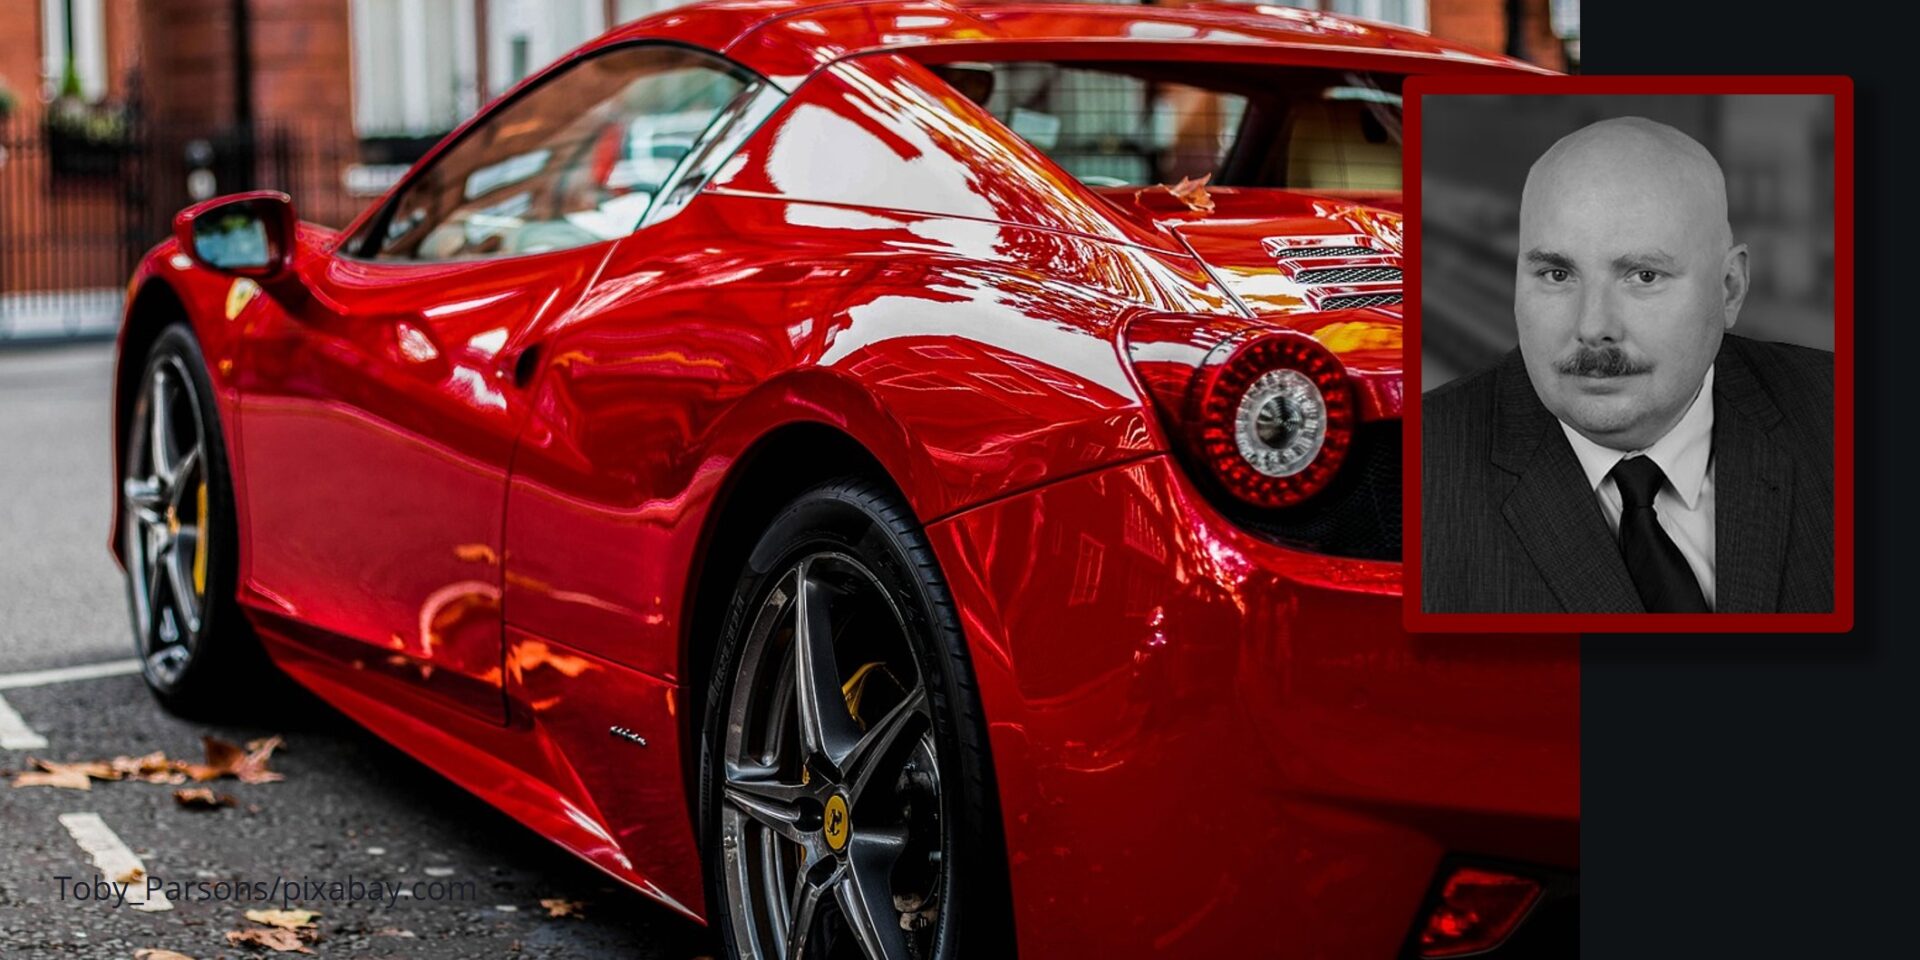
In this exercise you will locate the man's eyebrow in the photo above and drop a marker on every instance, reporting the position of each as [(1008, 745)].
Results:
[(1651, 260), (1549, 258)]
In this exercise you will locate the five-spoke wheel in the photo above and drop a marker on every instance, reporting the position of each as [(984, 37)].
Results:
[(842, 829), (177, 536), (166, 518)]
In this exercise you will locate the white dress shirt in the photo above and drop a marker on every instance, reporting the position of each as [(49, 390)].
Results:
[(1684, 504)]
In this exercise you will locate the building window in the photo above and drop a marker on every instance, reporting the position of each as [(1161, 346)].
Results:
[(74, 44), (526, 35), (414, 66), (627, 11), (1407, 13)]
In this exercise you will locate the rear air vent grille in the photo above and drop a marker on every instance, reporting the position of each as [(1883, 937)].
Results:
[(1359, 300), (1350, 275), (1294, 253)]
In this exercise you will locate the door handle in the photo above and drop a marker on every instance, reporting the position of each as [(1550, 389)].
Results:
[(526, 364)]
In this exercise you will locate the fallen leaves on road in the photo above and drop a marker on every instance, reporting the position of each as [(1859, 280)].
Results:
[(152, 768), (70, 776), (557, 907), (131, 875), (247, 765), (285, 919), (226, 760), (203, 798), (282, 931), (277, 939), (149, 953)]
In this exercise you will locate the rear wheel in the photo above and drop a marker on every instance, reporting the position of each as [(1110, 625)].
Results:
[(847, 798), (178, 537)]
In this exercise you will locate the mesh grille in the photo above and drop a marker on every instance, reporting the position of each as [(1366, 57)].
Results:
[(1357, 515), (1349, 275), (1358, 300), (1294, 253)]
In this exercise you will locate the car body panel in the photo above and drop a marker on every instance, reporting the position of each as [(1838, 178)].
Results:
[(1239, 748), (938, 343), (379, 423), (1203, 741)]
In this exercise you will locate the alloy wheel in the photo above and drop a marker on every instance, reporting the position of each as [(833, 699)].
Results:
[(166, 537), (833, 825)]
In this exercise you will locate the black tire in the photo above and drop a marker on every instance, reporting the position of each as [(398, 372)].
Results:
[(223, 669), (864, 520)]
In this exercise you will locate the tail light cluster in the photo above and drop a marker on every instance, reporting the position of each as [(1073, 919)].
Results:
[(1274, 416), (1269, 414)]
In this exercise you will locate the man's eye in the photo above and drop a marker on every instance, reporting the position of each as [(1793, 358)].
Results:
[(1646, 276), (1556, 275)]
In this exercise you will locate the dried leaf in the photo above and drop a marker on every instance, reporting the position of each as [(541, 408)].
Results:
[(276, 939), (151, 768), (131, 875), (148, 953), (557, 907), (222, 757), (71, 776), (285, 919), (394, 932), (68, 779), (202, 798), (915, 913), (1193, 193), (253, 769), (227, 760)]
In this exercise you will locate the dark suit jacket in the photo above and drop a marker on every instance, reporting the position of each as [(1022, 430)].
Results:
[(1509, 525)]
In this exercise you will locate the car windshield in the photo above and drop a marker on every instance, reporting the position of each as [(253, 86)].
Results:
[(1116, 124)]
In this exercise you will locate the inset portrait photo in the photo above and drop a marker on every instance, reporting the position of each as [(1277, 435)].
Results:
[(1630, 339)]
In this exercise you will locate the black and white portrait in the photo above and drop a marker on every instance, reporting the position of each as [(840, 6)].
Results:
[(1626, 336)]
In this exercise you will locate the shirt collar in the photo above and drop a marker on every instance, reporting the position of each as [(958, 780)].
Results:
[(1682, 454)]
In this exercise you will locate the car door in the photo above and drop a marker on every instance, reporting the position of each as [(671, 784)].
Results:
[(378, 416)]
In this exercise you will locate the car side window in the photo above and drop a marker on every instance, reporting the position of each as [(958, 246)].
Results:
[(575, 161)]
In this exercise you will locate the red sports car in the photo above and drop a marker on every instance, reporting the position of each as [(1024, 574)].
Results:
[(889, 479)]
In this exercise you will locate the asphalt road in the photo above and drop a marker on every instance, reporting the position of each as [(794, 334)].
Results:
[(350, 809), (60, 596)]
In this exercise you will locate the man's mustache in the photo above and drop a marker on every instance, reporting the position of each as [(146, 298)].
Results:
[(1601, 362)]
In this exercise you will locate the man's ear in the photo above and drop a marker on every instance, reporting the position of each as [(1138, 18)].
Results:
[(1734, 282)]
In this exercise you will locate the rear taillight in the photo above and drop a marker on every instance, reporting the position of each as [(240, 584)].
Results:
[(1477, 910), (1272, 417)]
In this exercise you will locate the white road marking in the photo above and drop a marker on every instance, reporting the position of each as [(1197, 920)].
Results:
[(114, 859), (14, 732), (89, 671)]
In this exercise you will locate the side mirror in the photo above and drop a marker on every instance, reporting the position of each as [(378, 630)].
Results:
[(244, 234)]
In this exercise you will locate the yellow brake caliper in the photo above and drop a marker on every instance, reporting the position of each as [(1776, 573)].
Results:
[(856, 687), (853, 689), (200, 542)]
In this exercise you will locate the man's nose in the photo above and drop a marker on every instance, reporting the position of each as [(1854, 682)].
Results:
[(1599, 319)]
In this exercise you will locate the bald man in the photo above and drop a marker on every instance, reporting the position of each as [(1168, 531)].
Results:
[(1631, 455)]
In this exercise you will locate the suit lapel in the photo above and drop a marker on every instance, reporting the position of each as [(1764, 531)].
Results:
[(1551, 509), (1752, 490)]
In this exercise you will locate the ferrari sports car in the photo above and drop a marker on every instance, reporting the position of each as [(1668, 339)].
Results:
[(887, 479)]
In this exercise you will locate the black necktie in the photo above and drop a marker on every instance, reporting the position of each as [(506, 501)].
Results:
[(1659, 571)]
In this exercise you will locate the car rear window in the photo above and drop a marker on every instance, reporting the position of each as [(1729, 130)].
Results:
[(1136, 124)]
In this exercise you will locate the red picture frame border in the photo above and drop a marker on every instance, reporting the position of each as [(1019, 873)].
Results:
[(1840, 620)]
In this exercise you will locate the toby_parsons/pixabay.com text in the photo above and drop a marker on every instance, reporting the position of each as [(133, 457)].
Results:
[(286, 892)]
